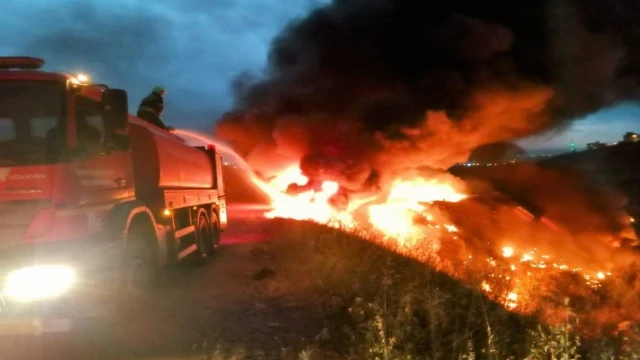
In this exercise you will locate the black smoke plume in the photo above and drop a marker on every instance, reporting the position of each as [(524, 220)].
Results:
[(361, 89)]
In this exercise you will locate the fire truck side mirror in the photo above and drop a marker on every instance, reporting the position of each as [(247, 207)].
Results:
[(116, 108)]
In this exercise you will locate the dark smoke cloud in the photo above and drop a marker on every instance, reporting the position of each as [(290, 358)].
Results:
[(496, 152), (87, 40), (376, 86), (193, 47), (125, 49)]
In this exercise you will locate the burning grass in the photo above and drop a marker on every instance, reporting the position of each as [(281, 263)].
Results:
[(378, 303), (524, 261), (457, 247)]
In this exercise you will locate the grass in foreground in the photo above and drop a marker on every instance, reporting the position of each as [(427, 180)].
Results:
[(377, 304)]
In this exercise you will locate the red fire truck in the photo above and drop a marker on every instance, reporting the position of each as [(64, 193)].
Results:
[(91, 196)]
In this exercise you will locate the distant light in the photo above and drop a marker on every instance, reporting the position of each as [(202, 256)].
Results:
[(167, 212)]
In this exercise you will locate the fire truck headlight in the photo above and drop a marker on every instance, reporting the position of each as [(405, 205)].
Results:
[(39, 282)]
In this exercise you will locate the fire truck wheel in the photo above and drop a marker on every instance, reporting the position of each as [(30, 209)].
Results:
[(215, 232), (139, 269), (203, 241)]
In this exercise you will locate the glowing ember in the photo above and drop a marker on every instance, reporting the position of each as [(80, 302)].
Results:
[(526, 257), (507, 251), (512, 299), (451, 228)]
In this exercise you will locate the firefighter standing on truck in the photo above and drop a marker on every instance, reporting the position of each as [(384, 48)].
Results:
[(152, 106)]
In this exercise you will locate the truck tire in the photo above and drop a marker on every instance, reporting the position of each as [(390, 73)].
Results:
[(139, 270), (215, 232), (203, 241)]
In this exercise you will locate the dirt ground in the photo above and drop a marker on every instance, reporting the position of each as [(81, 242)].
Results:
[(238, 301)]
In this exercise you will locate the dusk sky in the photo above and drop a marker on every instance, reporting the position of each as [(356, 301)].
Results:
[(195, 48), (608, 125)]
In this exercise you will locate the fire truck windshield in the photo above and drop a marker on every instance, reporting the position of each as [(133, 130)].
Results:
[(31, 115)]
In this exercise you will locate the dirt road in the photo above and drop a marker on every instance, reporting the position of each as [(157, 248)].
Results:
[(231, 302)]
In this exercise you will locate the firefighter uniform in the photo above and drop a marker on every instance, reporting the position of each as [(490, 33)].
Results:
[(151, 107)]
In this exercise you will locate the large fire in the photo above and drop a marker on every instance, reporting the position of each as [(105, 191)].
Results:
[(309, 205), (394, 217), (409, 218)]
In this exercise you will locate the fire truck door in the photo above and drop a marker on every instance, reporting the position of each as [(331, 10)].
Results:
[(103, 172)]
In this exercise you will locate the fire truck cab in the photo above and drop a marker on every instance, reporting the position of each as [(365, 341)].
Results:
[(90, 194)]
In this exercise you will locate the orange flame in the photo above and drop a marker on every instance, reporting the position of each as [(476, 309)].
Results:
[(407, 217), (395, 216)]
